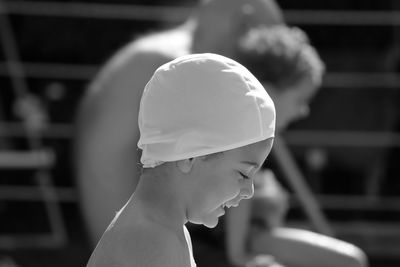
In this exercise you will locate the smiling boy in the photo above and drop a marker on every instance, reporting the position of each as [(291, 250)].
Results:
[(206, 125)]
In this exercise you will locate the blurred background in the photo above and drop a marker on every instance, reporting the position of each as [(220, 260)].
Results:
[(347, 151)]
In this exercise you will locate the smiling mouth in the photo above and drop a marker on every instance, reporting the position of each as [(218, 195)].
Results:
[(228, 205)]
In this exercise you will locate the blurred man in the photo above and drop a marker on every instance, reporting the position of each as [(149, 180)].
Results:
[(107, 129)]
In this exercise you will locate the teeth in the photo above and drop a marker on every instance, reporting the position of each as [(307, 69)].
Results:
[(229, 204), (226, 205)]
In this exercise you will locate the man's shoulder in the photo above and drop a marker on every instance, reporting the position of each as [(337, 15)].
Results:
[(154, 49), (136, 58), (130, 67), (171, 43), (122, 78)]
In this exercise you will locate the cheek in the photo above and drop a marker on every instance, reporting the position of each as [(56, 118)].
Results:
[(224, 189)]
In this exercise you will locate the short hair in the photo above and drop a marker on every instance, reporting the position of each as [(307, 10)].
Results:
[(280, 55)]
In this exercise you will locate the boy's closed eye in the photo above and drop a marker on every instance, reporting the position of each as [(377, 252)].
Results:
[(244, 176)]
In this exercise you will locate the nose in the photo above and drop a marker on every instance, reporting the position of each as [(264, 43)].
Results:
[(247, 190)]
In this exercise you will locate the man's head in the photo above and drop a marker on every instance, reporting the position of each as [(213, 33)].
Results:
[(282, 58), (219, 23)]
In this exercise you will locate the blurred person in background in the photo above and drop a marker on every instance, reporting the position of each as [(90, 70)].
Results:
[(107, 158), (199, 158), (291, 70)]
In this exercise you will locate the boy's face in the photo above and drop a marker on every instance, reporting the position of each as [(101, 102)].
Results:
[(223, 179), (293, 103)]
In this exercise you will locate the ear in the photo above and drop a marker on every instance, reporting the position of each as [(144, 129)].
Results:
[(185, 165), (247, 10), (246, 15), (260, 12)]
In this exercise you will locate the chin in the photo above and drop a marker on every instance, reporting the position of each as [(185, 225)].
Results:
[(211, 221), (211, 225)]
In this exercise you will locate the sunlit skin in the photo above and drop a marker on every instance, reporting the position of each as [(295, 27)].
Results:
[(225, 178), (172, 194)]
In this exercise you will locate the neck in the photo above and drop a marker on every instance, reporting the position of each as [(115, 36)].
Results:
[(158, 195)]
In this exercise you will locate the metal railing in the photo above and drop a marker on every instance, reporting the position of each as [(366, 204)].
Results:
[(19, 71), (178, 13)]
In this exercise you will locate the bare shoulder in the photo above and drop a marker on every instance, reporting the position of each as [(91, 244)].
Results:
[(120, 81), (130, 65), (115, 92), (144, 55), (156, 248), (146, 246), (117, 88)]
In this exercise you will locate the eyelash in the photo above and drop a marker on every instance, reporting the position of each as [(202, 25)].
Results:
[(244, 176)]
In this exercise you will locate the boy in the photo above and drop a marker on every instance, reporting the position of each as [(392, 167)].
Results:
[(206, 126)]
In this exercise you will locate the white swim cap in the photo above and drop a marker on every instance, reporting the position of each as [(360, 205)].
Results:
[(201, 104)]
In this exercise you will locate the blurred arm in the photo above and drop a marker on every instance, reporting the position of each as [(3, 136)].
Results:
[(308, 249)]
